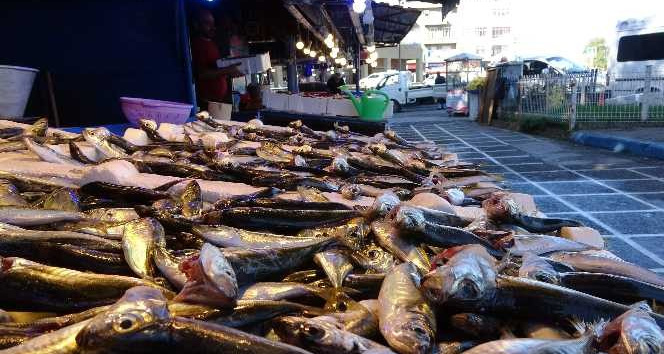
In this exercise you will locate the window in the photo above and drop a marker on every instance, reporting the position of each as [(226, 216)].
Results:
[(500, 31), (497, 49), (501, 12), (444, 31), (480, 50), (641, 47), (480, 31)]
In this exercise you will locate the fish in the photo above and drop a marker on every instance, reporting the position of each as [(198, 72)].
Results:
[(281, 220), (543, 244), (274, 153), (139, 239), (383, 204), (402, 213), (279, 291), (351, 191), (252, 312), (335, 265), (634, 332), (9, 146), (32, 286), (227, 236), (412, 222), (49, 155), (581, 345), (361, 319), (527, 298), (352, 234), (191, 200), (211, 279), (5, 317), (26, 183), (61, 341), (311, 195), (454, 347), (537, 268), (131, 194), (501, 207), (35, 217), (77, 154), (278, 203), (406, 320), (392, 135), (100, 139), (168, 264), (10, 195), (624, 290), (469, 274), (477, 326), (150, 128), (65, 199), (322, 337), (113, 215), (594, 264), (252, 265), (373, 259), (390, 239), (139, 318)]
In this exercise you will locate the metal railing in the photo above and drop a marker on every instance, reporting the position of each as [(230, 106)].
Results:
[(589, 98)]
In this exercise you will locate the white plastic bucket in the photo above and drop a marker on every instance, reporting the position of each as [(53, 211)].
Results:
[(15, 86), (220, 111)]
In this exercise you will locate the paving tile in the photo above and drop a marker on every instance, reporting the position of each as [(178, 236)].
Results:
[(552, 176), (634, 223), (652, 243), (654, 198), (623, 250), (527, 188), (587, 222), (637, 186), (656, 172), (517, 160), (535, 168), (611, 174), (512, 177), (467, 155), (494, 169), (615, 202), (583, 187), (505, 152), (550, 205)]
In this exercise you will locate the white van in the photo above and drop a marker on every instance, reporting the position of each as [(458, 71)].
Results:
[(639, 43), (371, 81)]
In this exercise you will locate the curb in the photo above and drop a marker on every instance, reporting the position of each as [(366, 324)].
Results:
[(620, 144)]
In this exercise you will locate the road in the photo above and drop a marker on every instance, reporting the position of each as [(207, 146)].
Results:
[(620, 195)]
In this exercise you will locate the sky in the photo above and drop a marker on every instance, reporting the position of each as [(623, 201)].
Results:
[(564, 27)]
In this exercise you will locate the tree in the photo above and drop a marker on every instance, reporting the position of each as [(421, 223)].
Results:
[(599, 51)]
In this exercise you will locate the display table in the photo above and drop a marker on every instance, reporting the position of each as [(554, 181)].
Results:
[(313, 121)]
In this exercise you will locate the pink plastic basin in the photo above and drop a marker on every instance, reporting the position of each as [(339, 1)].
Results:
[(159, 111)]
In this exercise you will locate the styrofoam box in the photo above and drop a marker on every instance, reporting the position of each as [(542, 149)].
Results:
[(314, 105), (341, 107)]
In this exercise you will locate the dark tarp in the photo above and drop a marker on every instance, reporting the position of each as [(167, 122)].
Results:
[(392, 23)]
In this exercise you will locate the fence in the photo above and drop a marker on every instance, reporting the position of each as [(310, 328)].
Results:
[(588, 99)]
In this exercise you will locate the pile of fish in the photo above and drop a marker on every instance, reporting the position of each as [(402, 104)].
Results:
[(344, 244)]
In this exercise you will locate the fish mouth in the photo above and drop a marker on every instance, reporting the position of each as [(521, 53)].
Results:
[(467, 289), (6, 263), (210, 280)]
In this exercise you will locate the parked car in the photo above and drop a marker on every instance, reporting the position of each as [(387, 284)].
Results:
[(372, 80), (402, 90), (552, 65)]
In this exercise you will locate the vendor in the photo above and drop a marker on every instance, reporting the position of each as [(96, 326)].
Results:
[(335, 82), (212, 83)]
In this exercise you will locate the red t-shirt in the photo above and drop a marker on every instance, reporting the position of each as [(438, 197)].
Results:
[(205, 54)]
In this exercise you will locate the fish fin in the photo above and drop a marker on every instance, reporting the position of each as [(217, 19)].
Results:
[(582, 328)]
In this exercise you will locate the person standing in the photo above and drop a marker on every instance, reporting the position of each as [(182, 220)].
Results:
[(440, 80), (211, 82)]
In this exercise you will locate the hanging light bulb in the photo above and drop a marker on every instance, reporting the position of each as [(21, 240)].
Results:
[(333, 55), (312, 53), (369, 60), (329, 44), (374, 64), (307, 50), (299, 45), (329, 37), (321, 58), (354, 70), (350, 66), (373, 56), (359, 6), (342, 61), (371, 48)]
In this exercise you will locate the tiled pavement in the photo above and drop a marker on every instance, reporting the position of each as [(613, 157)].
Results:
[(620, 195)]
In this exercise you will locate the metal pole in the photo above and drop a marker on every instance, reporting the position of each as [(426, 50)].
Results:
[(646, 96), (293, 86), (357, 66), (399, 46)]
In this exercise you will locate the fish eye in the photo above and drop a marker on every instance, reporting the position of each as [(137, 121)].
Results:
[(342, 306), (125, 324), (372, 254), (313, 332)]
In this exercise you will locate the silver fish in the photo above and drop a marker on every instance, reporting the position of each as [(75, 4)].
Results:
[(537, 268), (139, 240), (49, 155), (35, 217), (99, 138), (406, 320), (633, 332), (10, 196), (335, 265), (227, 236)]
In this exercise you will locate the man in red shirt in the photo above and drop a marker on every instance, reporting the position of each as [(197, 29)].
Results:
[(211, 82)]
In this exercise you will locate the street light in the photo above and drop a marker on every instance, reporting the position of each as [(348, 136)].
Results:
[(359, 6), (342, 61)]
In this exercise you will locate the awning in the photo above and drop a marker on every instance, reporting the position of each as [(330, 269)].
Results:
[(392, 23), (463, 57)]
